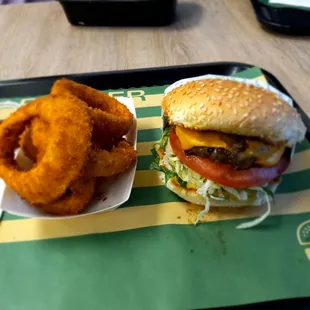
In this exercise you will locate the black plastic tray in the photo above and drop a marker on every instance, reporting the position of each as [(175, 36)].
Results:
[(150, 77), (287, 20), (119, 12), (136, 78)]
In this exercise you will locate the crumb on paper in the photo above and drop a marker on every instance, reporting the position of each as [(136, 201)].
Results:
[(218, 213), (193, 211)]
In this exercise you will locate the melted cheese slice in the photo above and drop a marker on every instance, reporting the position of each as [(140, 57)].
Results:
[(190, 138), (266, 155)]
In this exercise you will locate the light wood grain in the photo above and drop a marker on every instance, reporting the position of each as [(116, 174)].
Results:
[(37, 40)]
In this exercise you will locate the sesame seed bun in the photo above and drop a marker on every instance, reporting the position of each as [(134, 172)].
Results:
[(235, 108), (191, 196)]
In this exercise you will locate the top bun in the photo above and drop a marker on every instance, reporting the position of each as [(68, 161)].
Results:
[(235, 108)]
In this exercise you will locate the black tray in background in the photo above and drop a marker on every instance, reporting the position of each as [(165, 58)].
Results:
[(119, 12), (137, 78), (287, 20), (150, 77)]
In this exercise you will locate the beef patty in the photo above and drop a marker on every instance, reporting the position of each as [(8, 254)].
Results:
[(235, 157)]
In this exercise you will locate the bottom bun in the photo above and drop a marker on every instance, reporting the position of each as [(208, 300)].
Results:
[(192, 196)]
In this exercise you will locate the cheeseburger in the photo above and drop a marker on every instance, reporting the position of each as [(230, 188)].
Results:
[(225, 142)]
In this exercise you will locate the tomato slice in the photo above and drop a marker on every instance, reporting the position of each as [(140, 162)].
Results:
[(225, 174)]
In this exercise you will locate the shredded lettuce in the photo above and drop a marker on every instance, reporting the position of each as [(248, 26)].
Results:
[(203, 212), (260, 219), (207, 188), (217, 198), (168, 174), (164, 139), (185, 173), (268, 192)]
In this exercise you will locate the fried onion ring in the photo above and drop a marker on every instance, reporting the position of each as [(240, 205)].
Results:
[(34, 142), (100, 163), (74, 200), (34, 139), (112, 119), (103, 163), (66, 151)]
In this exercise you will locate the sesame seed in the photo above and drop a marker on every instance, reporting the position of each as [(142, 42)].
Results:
[(217, 90), (219, 98), (210, 112), (208, 98), (230, 96), (202, 84), (198, 88), (221, 110), (228, 105), (204, 109), (274, 110), (237, 94), (225, 89), (194, 117), (241, 105), (253, 118), (235, 111), (188, 92), (246, 103), (201, 105), (246, 114), (211, 84)]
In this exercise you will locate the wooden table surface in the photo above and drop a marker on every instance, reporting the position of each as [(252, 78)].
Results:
[(37, 40)]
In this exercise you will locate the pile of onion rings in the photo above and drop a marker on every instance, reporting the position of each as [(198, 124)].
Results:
[(73, 136)]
